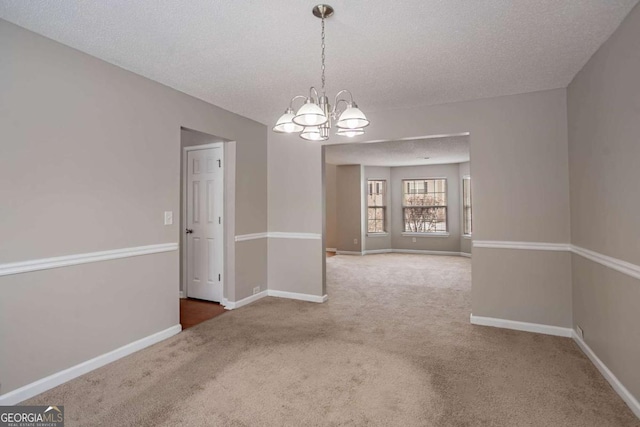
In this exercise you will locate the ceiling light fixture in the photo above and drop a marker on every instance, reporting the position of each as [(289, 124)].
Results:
[(313, 119)]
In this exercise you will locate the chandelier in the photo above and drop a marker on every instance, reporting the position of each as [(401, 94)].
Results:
[(313, 119)]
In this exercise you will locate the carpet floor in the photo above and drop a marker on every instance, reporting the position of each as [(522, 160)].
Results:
[(392, 347)]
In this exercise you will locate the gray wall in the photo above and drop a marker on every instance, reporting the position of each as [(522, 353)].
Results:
[(464, 169), (450, 243), (375, 241), (537, 285), (604, 124), (520, 157), (349, 208), (331, 206), (90, 159), (296, 205)]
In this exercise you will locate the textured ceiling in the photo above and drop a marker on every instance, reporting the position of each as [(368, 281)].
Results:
[(251, 57), (401, 153)]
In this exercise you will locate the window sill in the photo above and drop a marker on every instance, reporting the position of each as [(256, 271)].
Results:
[(466, 236), (409, 234), (385, 234)]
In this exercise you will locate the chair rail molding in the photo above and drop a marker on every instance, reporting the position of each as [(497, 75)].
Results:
[(253, 236), (534, 246), (619, 265), (278, 235), (85, 258), (285, 235)]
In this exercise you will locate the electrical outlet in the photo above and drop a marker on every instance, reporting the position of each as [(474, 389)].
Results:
[(580, 332), (355, 241), (168, 218), (414, 240), (256, 290)]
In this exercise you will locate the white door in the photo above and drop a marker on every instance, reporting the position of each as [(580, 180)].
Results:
[(204, 243)]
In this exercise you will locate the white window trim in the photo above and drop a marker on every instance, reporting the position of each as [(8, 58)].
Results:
[(384, 234), (385, 207), (426, 233), (466, 236), (435, 234)]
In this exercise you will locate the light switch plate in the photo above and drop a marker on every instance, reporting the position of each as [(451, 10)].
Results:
[(168, 217)]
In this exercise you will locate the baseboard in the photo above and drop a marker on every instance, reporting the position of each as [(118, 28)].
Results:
[(182, 295), (231, 305), (330, 249), (405, 251), (378, 251), (625, 394), (297, 296), (424, 252), (521, 326), (47, 383)]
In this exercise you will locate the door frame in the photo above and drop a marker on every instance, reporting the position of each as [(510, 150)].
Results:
[(184, 178)]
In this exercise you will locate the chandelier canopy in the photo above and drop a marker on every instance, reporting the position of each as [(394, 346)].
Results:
[(314, 117)]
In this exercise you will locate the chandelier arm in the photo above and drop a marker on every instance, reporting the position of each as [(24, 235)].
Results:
[(311, 95), (340, 93), (337, 101), (294, 98), (335, 110)]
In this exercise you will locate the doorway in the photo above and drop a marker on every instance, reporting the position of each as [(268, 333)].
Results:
[(397, 202), (204, 229), (411, 196), (207, 226)]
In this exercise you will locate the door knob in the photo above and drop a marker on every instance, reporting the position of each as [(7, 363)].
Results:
[(189, 231)]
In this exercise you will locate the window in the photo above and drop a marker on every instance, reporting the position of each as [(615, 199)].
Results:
[(424, 205), (376, 206), (467, 223)]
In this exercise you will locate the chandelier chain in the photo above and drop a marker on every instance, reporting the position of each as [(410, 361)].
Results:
[(323, 54)]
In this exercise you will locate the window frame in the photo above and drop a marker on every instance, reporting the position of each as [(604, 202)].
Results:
[(464, 208), (382, 207), (439, 233)]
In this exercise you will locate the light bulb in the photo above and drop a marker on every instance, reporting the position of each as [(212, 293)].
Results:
[(350, 133)]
